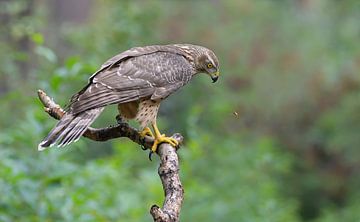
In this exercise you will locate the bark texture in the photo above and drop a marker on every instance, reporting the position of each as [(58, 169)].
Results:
[(174, 192), (169, 165)]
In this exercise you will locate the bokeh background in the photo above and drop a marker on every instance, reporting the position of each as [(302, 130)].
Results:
[(276, 139)]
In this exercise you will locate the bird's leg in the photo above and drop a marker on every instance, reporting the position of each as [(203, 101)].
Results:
[(161, 138), (146, 132)]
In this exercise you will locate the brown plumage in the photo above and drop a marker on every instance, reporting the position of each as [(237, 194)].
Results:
[(137, 80), (129, 110)]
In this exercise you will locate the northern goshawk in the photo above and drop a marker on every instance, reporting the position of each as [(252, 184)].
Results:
[(137, 80)]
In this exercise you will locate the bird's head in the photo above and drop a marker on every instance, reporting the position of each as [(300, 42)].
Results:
[(208, 63)]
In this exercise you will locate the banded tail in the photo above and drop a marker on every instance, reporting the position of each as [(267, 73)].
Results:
[(70, 128)]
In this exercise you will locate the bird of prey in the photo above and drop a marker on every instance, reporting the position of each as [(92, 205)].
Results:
[(137, 80)]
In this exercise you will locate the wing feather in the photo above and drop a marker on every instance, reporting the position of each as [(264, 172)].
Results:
[(154, 75)]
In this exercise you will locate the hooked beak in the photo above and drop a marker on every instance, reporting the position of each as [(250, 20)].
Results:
[(214, 76)]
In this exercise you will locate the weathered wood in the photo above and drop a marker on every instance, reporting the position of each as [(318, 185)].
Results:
[(174, 192)]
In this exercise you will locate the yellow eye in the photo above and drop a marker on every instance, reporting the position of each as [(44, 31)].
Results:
[(209, 65)]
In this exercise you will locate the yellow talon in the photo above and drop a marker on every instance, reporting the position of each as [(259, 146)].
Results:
[(161, 138), (146, 132)]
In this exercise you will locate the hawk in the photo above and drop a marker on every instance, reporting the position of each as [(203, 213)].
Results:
[(137, 80)]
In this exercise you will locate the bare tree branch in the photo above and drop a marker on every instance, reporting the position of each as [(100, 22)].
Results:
[(169, 165), (174, 192)]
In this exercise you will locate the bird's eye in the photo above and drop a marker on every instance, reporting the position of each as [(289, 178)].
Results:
[(209, 65)]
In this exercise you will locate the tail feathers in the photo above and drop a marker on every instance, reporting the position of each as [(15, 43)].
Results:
[(70, 128), (51, 138)]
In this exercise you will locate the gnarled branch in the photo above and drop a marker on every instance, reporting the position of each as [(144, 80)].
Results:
[(174, 192), (169, 165)]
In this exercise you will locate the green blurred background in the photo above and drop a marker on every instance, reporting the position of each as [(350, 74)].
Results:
[(290, 70)]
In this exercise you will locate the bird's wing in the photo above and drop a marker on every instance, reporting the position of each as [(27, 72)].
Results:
[(134, 52), (154, 75), (128, 54)]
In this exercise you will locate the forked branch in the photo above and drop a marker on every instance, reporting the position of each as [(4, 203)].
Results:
[(169, 165)]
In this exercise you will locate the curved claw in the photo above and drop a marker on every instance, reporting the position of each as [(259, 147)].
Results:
[(150, 154)]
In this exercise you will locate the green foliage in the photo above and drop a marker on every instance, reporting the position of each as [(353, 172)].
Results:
[(236, 186), (289, 69)]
